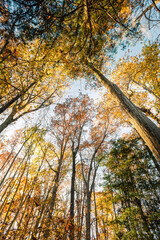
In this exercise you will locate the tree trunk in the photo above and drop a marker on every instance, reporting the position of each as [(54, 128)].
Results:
[(104, 226), (82, 217), (88, 216), (53, 200), (96, 215), (8, 121), (149, 132), (55, 187), (71, 234)]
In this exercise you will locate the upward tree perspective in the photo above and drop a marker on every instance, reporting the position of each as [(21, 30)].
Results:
[(95, 38), (71, 170)]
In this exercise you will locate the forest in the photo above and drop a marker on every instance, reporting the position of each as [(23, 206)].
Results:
[(79, 119)]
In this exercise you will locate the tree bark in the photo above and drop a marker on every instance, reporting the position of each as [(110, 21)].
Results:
[(148, 131), (71, 233), (74, 150), (8, 121), (88, 215), (96, 215), (82, 217), (53, 200)]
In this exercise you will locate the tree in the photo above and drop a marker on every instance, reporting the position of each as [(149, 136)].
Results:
[(75, 114), (80, 110), (26, 85), (138, 76), (149, 132), (26, 20), (30, 184), (18, 188), (105, 214), (91, 155), (130, 172), (145, 127), (149, 11), (90, 163), (60, 136)]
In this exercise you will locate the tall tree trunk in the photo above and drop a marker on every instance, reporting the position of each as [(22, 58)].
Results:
[(96, 215), (71, 234), (88, 216), (55, 187), (144, 126), (53, 200), (82, 218), (80, 212)]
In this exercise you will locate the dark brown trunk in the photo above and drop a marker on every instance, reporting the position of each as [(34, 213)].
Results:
[(8, 121), (88, 216)]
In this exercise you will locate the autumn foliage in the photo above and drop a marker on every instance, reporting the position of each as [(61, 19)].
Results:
[(73, 167)]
